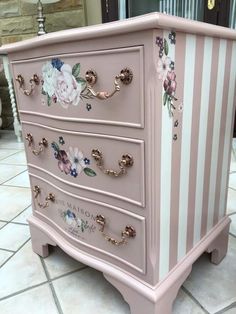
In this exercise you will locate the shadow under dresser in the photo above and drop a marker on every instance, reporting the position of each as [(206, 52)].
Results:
[(127, 130)]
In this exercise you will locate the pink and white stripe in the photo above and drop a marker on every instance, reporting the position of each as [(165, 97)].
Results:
[(193, 175)]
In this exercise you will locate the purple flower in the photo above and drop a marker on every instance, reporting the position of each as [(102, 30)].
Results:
[(73, 173), (57, 63), (172, 65), (86, 161), (64, 163), (54, 98), (88, 107), (170, 83), (172, 37), (159, 41), (61, 140)]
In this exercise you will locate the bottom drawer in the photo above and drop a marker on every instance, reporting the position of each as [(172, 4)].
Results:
[(77, 219)]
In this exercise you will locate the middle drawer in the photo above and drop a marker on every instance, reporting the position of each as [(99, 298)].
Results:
[(109, 165)]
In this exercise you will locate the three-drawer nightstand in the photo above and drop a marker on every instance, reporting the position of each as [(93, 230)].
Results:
[(127, 131)]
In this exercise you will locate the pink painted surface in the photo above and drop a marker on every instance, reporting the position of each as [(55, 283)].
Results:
[(131, 122), (194, 140)]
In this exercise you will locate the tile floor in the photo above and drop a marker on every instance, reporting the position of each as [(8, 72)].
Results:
[(58, 284)]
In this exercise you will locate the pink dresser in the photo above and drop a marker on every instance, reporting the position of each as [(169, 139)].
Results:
[(127, 131)]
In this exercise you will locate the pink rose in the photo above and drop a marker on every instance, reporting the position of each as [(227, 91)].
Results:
[(67, 89), (170, 83)]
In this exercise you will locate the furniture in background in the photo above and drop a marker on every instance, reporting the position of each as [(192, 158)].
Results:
[(7, 72), (128, 132)]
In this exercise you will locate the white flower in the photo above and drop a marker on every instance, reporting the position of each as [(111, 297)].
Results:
[(67, 89), (76, 158), (49, 77), (79, 222), (163, 67), (70, 221)]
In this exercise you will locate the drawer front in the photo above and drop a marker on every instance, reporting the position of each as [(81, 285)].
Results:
[(76, 217), (61, 92), (68, 158)]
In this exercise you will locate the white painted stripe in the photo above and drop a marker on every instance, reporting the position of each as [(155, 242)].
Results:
[(216, 132), (206, 78), (166, 152), (228, 139), (186, 142)]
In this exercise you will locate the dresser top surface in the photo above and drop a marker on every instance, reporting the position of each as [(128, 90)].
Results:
[(148, 21)]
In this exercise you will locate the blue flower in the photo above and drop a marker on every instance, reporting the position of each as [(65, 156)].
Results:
[(172, 65), (70, 214), (86, 161), (57, 63), (61, 140), (172, 38), (89, 107), (53, 145), (73, 173)]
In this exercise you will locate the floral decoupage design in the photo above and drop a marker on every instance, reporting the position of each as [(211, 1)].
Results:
[(166, 70), (63, 84), (76, 223), (72, 161)]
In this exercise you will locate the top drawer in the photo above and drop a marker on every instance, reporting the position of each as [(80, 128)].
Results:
[(62, 90)]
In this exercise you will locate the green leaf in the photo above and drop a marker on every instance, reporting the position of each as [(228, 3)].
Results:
[(48, 100), (165, 98), (76, 70), (80, 80), (89, 172), (55, 146), (43, 92), (166, 47)]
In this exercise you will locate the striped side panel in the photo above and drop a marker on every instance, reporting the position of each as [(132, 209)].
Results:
[(189, 68), (205, 95), (198, 73), (210, 125), (226, 92), (216, 134), (165, 197), (180, 49), (227, 140)]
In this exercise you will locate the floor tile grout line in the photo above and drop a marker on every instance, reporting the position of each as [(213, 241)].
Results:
[(231, 306), (10, 251), (194, 299), (13, 176), (16, 186), (11, 221), (14, 253), (232, 235), (55, 298), (10, 154), (23, 290)]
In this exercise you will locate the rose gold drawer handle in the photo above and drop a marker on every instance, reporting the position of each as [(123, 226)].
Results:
[(50, 197), (42, 144), (33, 82), (125, 162), (125, 77), (129, 232)]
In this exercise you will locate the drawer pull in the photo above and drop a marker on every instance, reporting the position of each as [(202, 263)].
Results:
[(42, 144), (50, 197), (125, 77), (129, 232), (125, 162), (33, 82)]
